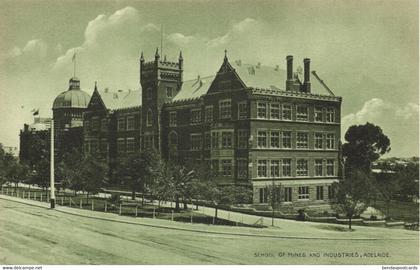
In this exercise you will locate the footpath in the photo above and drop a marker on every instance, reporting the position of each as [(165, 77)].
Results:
[(287, 229)]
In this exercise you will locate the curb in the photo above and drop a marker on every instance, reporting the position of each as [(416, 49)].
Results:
[(210, 232)]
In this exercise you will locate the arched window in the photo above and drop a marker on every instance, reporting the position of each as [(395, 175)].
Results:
[(173, 138), (149, 93), (149, 118)]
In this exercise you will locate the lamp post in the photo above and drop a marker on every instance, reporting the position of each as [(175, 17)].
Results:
[(52, 187)]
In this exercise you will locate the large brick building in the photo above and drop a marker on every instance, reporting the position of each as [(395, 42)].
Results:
[(254, 125)]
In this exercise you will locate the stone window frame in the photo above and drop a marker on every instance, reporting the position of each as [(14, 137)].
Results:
[(149, 118), (300, 114), (330, 115), (265, 146), (121, 145), (229, 141), (320, 193), (262, 108), (121, 124), (104, 124), (195, 116), (317, 166), (330, 141), (223, 163), (242, 110), (242, 168), (278, 172), (330, 167), (172, 119), (207, 140), (198, 138), (287, 108), (242, 140), (263, 163), (278, 138), (225, 108), (303, 193), (286, 167), (278, 110), (283, 138), (302, 167), (316, 140), (208, 114), (302, 144), (95, 123), (130, 141), (317, 112), (288, 194)]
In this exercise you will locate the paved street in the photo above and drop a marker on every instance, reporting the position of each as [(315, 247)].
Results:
[(36, 235)]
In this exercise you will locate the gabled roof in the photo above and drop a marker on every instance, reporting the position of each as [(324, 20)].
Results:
[(195, 88), (121, 99)]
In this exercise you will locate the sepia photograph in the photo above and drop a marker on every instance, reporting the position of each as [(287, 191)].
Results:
[(209, 132)]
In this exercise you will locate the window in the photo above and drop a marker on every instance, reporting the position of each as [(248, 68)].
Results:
[(225, 109), (130, 123), (330, 141), (195, 116), (262, 168), (287, 112), (214, 167), (287, 139), (224, 85), (330, 115), (242, 110), (207, 140), (302, 140), (215, 140), (226, 167), (149, 93), (195, 141), (330, 167), (302, 113), (149, 120), (173, 138), (242, 167), (318, 144), (208, 115), (172, 119), (263, 195), (287, 167), (95, 123), (120, 145), (275, 139), (318, 114), (302, 167), (94, 145), (275, 168), (318, 167), (104, 124), (242, 139), (262, 138), (287, 194), (331, 192), (86, 126), (303, 193), (169, 92), (104, 146), (262, 110), (121, 124), (227, 140), (148, 141), (130, 145), (275, 111), (319, 192)]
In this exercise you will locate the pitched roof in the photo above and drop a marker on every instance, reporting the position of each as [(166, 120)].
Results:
[(121, 99), (272, 78), (195, 88)]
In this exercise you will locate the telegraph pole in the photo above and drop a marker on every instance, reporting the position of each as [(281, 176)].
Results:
[(52, 187)]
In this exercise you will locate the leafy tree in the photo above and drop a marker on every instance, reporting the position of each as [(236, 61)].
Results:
[(387, 184), (181, 183), (353, 194), (365, 144), (69, 169), (93, 174), (139, 170)]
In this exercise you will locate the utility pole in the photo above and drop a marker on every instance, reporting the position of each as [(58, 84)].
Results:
[(52, 187)]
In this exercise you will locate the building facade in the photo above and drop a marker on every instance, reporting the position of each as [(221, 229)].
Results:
[(253, 125)]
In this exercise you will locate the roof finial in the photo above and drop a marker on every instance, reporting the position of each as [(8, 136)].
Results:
[(225, 54), (141, 56), (157, 53), (96, 89)]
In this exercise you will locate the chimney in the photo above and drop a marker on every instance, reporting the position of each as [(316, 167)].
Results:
[(289, 81), (306, 75)]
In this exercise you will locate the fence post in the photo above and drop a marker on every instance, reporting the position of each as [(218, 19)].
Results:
[(29, 195), (106, 206), (93, 207), (41, 197), (23, 194), (80, 204), (62, 200), (153, 212), (172, 215), (120, 209), (191, 217), (213, 219), (136, 210), (34, 196)]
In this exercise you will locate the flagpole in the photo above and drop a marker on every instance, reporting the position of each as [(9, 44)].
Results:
[(74, 65), (52, 186)]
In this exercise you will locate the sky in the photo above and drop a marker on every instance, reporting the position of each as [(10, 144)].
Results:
[(366, 51)]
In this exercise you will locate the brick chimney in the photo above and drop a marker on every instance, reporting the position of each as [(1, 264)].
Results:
[(289, 80), (306, 75)]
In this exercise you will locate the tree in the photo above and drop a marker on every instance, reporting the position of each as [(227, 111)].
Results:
[(353, 194), (93, 174), (181, 183), (69, 169), (365, 144), (139, 170), (387, 184)]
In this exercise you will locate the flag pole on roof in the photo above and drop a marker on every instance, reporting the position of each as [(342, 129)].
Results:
[(161, 39), (74, 64)]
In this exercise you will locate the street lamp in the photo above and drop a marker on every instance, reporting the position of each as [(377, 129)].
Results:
[(52, 187)]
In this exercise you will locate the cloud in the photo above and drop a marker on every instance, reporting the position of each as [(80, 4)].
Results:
[(408, 111), (246, 25)]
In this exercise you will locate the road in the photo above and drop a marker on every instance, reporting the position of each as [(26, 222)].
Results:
[(36, 235)]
